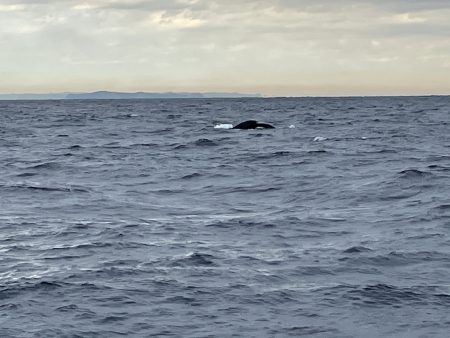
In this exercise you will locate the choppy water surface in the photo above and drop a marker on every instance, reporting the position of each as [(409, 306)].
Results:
[(139, 218)]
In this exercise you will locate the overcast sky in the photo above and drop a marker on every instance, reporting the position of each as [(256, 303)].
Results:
[(273, 47)]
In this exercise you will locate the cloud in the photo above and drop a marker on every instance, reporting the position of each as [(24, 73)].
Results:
[(11, 8), (223, 44)]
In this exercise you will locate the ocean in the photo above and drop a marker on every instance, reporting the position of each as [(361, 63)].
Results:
[(149, 218)]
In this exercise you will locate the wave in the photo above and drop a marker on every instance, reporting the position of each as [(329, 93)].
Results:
[(246, 189), (144, 145), (179, 146), (45, 165), (297, 331), (386, 294), (413, 174), (26, 174), (16, 288), (275, 154), (194, 259), (394, 259), (35, 187), (357, 249), (191, 176), (439, 167), (204, 142), (442, 208), (239, 222), (319, 151)]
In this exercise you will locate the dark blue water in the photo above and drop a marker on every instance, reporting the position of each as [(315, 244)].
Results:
[(138, 218)]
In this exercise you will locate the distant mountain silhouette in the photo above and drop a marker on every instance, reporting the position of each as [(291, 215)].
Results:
[(99, 95), (48, 96), (146, 95)]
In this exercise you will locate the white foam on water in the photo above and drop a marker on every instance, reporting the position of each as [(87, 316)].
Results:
[(223, 126), (319, 138), (291, 126)]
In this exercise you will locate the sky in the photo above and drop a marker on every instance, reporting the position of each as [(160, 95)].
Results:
[(272, 47)]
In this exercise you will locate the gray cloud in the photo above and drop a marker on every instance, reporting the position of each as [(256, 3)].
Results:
[(396, 5), (273, 46)]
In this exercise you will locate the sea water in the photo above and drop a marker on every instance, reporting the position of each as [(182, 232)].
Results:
[(142, 218)]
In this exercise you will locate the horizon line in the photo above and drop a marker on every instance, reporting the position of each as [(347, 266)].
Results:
[(64, 95)]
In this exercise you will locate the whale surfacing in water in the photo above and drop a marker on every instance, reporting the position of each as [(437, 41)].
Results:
[(252, 124)]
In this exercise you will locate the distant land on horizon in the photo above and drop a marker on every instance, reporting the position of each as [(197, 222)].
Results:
[(107, 95)]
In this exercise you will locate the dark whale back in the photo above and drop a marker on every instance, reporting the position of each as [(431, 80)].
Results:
[(252, 124), (264, 125)]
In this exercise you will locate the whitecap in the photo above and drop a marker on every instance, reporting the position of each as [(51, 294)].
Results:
[(319, 138), (291, 126), (223, 126)]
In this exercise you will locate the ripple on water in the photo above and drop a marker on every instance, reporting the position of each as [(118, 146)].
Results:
[(115, 222)]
